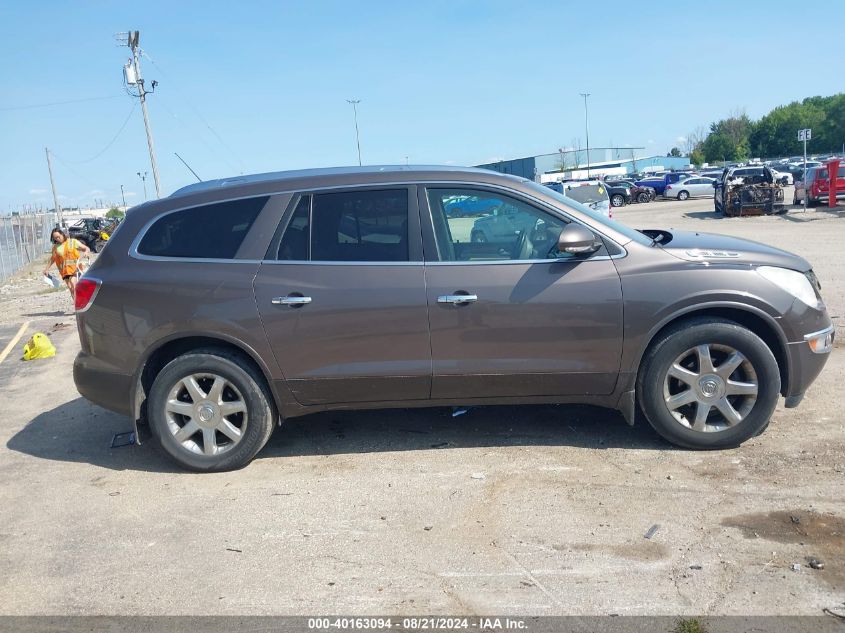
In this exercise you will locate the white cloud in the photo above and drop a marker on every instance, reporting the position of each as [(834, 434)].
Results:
[(681, 139), (37, 192)]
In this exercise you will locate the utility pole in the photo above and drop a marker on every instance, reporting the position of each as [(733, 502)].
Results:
[(132, 75), (354, 103), (587, 129), (123, 197), (144, 180), (53, 185)]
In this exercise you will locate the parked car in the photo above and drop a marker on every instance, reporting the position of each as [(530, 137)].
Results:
[(93, 232), (620, 193), (690, 188), (658, 183), (816, 186), (639, 194), (592, 193), (230, 306), (462, 206)]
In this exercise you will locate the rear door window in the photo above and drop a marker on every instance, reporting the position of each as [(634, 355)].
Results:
[(211, 231), (349, 226)]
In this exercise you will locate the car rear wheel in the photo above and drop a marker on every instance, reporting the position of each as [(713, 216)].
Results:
[(708, 384), (643, 197), (210, 410), (617, 200), (683, 195)]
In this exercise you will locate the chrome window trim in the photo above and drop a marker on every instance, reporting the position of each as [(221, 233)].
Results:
[(133, 247)]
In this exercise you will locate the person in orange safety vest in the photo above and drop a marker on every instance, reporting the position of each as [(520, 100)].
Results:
[(66, 254)]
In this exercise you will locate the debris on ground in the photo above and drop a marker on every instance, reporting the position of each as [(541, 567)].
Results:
[(796, 567), (695, 567), (233, 549), (478, 476), (652, 531), (39, 346), (427, 528), (123, 439), (815, 563), (795, 519)]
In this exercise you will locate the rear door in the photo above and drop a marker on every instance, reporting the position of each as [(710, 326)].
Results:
[(507, 317), (342, 299)]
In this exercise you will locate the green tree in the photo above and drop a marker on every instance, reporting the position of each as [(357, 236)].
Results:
[(696, 156), (114, 214), (674, 152)]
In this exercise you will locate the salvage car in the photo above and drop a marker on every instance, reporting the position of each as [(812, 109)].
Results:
[(219, 312)]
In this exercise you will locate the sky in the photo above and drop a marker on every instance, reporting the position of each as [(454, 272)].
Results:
[(263, 86)]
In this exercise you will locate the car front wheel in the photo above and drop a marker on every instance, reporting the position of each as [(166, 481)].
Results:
[(210, 410), (683, 195), (617, 200), (643, 198), (708, 384)]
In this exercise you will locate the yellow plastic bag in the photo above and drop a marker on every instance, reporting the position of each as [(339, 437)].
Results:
[(39, 346)]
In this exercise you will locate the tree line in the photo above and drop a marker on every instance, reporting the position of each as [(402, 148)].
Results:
[(738, 138)]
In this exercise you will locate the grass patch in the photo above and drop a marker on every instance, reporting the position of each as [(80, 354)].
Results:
[(689, 625)]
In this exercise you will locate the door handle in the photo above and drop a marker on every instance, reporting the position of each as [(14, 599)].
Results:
[(292, 301), (457, 300)]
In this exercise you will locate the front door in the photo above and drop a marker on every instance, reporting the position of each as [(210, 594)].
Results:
[(507, 317), (342, 298)]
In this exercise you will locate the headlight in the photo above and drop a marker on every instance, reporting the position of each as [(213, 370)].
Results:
[(794, 283)]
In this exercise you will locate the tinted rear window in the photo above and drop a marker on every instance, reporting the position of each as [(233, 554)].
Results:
[(213, 231), (360, 226)]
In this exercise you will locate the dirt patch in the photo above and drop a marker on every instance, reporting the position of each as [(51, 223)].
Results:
[(822, 535), (644, 551)]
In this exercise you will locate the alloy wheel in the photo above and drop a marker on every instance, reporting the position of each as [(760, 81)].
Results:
[(206, 414), (710, 388)]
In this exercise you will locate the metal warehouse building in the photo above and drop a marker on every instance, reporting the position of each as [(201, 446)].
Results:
[(603, 161)]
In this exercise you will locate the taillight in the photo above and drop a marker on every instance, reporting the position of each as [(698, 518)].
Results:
[(668, 186), (86, 290)]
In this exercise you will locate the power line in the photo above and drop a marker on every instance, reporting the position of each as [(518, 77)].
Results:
[(55, 103), (197, 112), (111, 142)]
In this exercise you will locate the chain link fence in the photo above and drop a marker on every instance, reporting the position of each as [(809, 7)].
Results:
[(23, 239)]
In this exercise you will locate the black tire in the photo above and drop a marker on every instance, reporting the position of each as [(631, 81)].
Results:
[(260, 410), (478, 237), (617, 200), (683, 195), (687, 335), (643, 197)]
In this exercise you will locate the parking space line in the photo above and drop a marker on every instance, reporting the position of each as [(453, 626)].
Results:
[(14, 341)]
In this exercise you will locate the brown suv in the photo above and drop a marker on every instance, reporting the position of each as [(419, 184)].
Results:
[(219, 311)]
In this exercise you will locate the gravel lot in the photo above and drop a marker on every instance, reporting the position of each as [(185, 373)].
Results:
[(511, 510)]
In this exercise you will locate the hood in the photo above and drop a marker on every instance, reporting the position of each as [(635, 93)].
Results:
[(697, 247)]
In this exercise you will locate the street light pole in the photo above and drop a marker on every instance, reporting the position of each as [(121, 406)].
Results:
[(587, 129), (123, 197), (354, 103), (143, 178)]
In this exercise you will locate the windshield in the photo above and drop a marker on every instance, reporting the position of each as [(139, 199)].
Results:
[(596, 216)]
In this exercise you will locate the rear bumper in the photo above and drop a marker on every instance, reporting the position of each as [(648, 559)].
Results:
[(102, 385)]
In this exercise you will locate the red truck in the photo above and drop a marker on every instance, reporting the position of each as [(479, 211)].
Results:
[(816, 185)]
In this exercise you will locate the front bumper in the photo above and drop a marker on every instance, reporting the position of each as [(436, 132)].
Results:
[(805, 364), (102, 385)]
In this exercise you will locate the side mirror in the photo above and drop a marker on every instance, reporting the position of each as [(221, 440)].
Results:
[(575, 239)]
